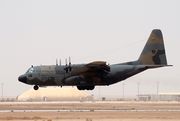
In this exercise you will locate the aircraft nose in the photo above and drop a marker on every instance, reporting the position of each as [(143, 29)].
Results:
[(22, 78)]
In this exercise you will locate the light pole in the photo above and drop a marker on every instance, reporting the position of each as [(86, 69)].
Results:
[(123, 89), (99, 91), (157, 93), (138, 86), (157, 88), (2, 84)]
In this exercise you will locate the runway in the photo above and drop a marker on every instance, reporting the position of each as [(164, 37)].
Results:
[(90, 111)]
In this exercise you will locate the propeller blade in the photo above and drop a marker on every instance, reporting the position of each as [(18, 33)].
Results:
[(70, 68)]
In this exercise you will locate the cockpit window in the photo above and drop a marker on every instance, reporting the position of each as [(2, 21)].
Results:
[(30, 70)]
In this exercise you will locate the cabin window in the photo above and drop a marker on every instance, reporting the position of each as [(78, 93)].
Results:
[(30, 70)]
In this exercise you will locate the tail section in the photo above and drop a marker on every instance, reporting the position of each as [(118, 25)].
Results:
[(154, 50)]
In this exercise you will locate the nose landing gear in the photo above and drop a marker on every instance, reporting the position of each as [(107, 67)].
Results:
[(36, 87)]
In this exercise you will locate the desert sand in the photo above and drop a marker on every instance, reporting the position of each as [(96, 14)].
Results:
[(90, 111)]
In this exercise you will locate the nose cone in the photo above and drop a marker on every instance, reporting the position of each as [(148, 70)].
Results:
[(22, 78)]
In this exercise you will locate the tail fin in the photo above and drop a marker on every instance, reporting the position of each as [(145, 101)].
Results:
[(154, 50)]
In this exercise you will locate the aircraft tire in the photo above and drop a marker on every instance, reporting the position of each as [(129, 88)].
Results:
[(91, 87), (85, 87), (80, 87), (36, 87)]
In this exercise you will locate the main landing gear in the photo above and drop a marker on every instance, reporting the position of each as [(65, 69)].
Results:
[(36, 87), (85, 87)]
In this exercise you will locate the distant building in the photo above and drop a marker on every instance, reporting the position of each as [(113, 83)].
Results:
[(7, 99), (55, 94), (160, 97)]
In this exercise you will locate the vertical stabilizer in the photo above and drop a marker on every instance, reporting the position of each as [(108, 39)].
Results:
[(154, 50)]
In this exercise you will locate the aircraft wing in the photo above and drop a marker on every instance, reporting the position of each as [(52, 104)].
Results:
[(94, 72)]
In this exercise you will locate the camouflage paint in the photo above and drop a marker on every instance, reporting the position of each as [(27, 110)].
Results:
[(87, 76)]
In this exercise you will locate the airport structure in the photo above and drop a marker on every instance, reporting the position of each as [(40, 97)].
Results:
[(55, 94), (160, 97), (73, 94)]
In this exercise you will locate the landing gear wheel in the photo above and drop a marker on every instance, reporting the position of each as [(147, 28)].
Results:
[(91, 87), (36, 87), (80, 88), (85, 87)]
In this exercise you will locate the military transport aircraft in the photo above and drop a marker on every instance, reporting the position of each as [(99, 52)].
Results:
[(97, 73)]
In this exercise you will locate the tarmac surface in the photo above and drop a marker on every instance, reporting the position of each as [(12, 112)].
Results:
[(90, 111)]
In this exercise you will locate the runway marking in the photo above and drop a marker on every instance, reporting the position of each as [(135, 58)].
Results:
[(97, 110)]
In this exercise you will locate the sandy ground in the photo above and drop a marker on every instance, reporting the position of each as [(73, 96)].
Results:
[(112, 111)]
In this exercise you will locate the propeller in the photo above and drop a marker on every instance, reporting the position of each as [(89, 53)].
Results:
[(66, 62), (56, 62), (66, 66), (60, 62), (70, 68)]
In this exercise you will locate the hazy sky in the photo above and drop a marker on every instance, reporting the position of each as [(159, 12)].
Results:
[(35, 32)]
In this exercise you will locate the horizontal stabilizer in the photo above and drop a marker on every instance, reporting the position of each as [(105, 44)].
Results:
[(156, 66)]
